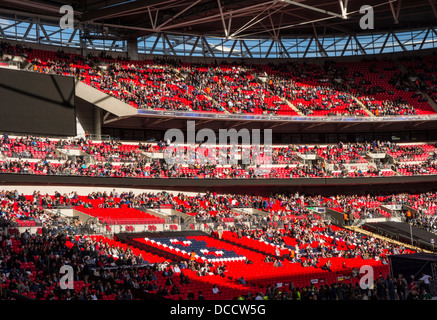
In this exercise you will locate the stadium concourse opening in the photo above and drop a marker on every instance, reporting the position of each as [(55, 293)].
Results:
[(325, 187)]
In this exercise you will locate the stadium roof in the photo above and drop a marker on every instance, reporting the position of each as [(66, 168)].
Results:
[(235, 19)]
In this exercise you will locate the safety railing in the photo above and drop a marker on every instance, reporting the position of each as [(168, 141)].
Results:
[(245, 117)]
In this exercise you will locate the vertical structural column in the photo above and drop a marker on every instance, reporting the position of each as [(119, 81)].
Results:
[(132, 49), (97, 123), (83, 50)]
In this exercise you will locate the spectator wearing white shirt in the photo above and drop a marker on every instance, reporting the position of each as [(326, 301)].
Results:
[(215, 290), (176, 269), (425, 281), (259, 296)]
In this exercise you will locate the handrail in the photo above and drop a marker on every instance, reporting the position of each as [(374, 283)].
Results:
[(245, 117), (215, 178), (16, 295), (401, 238)]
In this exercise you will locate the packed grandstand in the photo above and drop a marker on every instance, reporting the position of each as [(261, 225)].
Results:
[(45, 156), (291, 89), (351, 167)]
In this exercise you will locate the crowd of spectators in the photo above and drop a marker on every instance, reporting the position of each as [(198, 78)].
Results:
[(281, 207), (394, 107), (32, 267), (103, 272), (204, 207), (117, 272), (382, 87), (35, 155), (423, 168), (331, 241), (424, 216), (165, 84)]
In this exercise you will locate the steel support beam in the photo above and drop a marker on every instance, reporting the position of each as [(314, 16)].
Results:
[(225, 30), (433, 6), (322, 50), (232, 48), (360, 47), (247, 49), (255, 19), (345, 46), (329, 17), (283, 48), (44, 32), (217, 17), (120, 10), (300, 4), (270, 49), (27, 30), (72, 35), (308, 47), (177, 15), (395, 11), (424, 38), (343, 8), (206, 44), (229, 22), (169, 43), (385, 42), (194, 46), (155, 43), (152, 21), (17, 23), (33, 6), (398, 41)]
